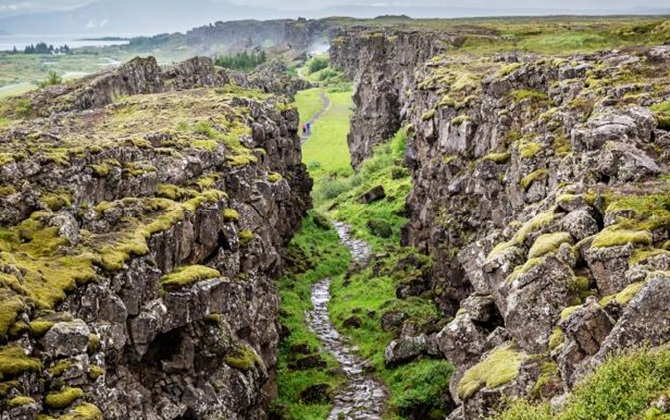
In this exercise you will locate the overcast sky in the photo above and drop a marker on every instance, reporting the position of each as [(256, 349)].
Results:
[(11, 7)]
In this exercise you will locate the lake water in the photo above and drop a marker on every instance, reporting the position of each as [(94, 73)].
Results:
[(8, 42)]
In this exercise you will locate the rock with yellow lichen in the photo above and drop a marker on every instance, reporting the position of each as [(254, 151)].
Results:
[(118, 237)]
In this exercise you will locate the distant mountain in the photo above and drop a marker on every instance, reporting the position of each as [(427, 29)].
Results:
[(148, 17), (133, 17), (462, 12)]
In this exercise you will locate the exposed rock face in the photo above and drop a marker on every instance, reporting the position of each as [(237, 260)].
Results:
[(535, 186), (140, 238)]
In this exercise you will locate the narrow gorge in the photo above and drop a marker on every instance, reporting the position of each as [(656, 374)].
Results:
[(476, 225)]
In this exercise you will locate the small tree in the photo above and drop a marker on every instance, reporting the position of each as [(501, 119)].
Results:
[(53, 78)]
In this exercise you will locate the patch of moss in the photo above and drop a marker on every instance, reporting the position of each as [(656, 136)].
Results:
[(529, 179), (6, 190), (241, 160), (626, 295), (523, 269), (498, 158), (95, 371), (60, 367), (185, 276), (13, 362), (39, 328), (5, 387), (614, 236), (62, 399), (499, 368), (640, 255), (9, 310), (529, 149), (537, 223), (531, 95), (231, 215), (56, 201), (274, 177), (460, 120), (243, 358), (509, 69), (93, 343), (20, 402), (565, 313), (173, 192), (84, 411), (548, 243), (557, 338), (246, 236), (428, 115)]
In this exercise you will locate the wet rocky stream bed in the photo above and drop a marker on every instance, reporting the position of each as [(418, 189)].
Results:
[(362, 397)]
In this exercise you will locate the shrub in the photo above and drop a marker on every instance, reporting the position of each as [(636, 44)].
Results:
[(317, 64)]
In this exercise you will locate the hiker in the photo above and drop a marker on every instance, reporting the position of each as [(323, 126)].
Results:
[(309, 127), (304, 128)]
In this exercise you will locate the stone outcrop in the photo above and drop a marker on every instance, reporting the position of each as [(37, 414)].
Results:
[(535, 188), (143, 218)]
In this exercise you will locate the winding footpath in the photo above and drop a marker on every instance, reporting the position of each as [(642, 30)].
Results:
[(363, 397), (315, 117)]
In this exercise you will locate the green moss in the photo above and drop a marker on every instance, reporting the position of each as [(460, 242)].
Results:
[(614, 236), (626, 295), (499, 368), (56, 202), (95, 371), (241, 160), (428, 115), (274, 177), (548, 243), (62, 399), (173, 192), (5, 387), (641, 255), (529, 149), (60, 367), (13, 362), (208, 182), (509, 69), (231, 215), (7, 190), (537, 223), (662, 111), (39, 328), (498, 158), (529, 179), (246, 236), (93, 343), (101, 171), (557, 338), (532, 95), (523, 269), (243, 358), (9, 309), (185, 276), (565, 313), (20, 402), (84, 411), (460, 120)]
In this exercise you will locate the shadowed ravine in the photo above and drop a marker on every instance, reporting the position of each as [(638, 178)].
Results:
[(363, 397)]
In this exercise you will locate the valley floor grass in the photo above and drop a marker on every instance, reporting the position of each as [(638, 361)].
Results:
[(326, 152), (309, 103)]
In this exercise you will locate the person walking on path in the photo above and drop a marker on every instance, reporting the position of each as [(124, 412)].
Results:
[(309, 127), (304, 128)]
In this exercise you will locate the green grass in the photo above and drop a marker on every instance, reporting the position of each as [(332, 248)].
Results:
[(314, 253), (309, 103), (417, 386), (382, 169), (326, 152), (622, 388)]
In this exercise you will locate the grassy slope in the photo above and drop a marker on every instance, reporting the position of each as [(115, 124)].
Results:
[(623, 388)]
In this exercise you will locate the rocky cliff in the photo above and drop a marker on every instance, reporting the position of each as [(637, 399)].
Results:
[(539, 187), (143, 218)]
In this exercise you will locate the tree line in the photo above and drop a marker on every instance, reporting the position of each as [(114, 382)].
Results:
[(44, 49), (242, 61)]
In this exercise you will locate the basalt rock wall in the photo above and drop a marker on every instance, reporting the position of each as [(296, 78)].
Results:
[(538, 188), (142, 227)]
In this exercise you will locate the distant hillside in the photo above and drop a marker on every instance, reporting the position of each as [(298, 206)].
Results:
[(132, 17)]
